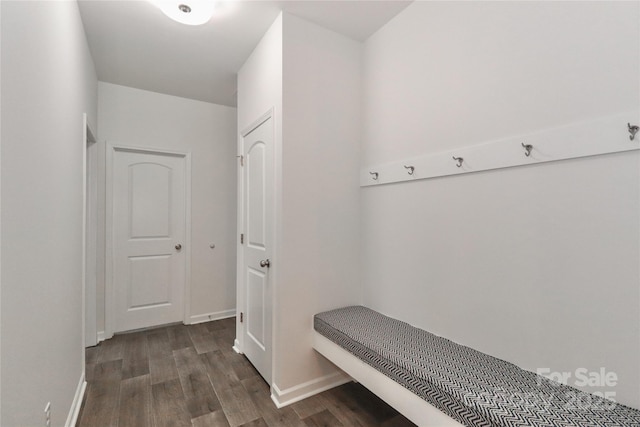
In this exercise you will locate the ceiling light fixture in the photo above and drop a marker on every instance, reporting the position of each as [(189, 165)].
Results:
[(189, 12)]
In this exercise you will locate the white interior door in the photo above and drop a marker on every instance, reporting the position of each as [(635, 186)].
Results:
[(258, 232), (149, 261)]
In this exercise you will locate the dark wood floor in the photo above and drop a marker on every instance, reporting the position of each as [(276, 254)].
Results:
[(190, 376)]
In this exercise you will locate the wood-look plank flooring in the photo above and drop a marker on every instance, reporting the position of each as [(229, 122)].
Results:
[(190, 376)]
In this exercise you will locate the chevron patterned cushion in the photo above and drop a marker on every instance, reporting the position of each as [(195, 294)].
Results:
[(469, 386)]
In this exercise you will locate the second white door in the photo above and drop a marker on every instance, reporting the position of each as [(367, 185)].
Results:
[(258, 230), (149, 229)]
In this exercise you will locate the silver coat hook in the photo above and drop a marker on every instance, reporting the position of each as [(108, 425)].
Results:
[(374, 175), (632, 130), (459, 160), (527, 149), (409, 169)]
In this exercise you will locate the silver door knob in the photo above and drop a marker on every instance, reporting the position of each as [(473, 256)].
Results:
[(265, 263), (178, 247)]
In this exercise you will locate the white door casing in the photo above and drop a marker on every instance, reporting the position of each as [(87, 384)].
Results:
[(255, 293), (147, 200), (90, 232)]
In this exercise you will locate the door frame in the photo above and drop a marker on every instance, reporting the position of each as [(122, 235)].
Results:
[(89, 228), (240, 282), (109, 294)]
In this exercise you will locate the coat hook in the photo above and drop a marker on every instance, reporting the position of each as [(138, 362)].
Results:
[(632, 130), (374, 175), (459, 160), (527, 148), (409, 169)]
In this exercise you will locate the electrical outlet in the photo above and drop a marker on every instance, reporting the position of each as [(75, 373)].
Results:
[(47, 415)]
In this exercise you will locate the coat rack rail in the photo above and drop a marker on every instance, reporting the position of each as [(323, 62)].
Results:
[(611, 134)]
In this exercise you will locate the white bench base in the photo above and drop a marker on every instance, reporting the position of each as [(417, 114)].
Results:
[(407, 403)]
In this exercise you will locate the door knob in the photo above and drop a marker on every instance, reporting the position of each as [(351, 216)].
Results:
[(178, 247), (265, 263)]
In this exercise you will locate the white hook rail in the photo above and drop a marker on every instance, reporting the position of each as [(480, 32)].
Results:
[(604, 135)]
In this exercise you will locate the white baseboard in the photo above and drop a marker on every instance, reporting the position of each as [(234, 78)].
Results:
[(72, 418), (200, 318), (236, 346), (299, 392), (100, 336)]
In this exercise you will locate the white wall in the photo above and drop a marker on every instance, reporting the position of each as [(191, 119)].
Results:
[(260, 80), (48, 81), (140, 118), (320, 196), (0, 216), (538, 265)]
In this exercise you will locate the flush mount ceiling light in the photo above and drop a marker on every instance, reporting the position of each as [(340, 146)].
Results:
[(190, 12)]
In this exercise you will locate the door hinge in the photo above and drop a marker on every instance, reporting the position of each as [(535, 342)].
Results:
[(241, 317), (242, 238), (241, 160)]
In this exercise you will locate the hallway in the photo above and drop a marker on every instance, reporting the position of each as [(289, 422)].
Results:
[(190, 376)]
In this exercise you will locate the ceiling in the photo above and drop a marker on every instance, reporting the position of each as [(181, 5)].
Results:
[(134, 44)]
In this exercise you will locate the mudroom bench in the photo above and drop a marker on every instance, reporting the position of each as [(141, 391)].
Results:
[(436, 382)]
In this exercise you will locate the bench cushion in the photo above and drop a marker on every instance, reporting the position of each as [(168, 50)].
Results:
[(471, 387)]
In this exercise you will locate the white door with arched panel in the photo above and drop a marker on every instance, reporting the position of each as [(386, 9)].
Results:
[(148, 202), (257, 243)]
